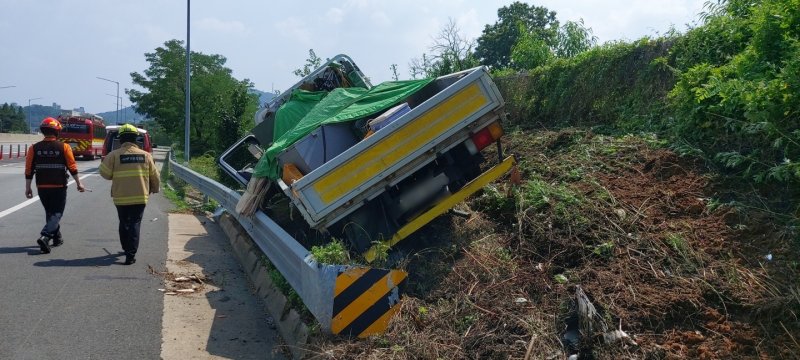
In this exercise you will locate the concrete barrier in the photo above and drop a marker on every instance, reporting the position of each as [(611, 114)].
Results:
[(19, 138)]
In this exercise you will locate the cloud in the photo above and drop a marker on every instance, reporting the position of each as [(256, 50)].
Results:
[(295, 29), (217, 25), (381, 19), (359, 4), (156, 33), (470, 24), (335, 15)]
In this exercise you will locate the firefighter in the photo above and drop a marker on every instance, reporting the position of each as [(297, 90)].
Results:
[(50, 160), (134, 177)]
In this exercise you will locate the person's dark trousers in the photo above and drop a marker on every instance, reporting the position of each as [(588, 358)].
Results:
[(54, 201), (130, 220)]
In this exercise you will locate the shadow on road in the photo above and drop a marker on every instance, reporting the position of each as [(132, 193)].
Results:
[(105, 260), (31, 250)]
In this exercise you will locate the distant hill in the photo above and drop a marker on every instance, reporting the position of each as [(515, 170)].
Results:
[(125, 115), (262, 96)]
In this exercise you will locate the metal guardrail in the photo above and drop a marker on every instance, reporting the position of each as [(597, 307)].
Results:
[(349, 300), (310, 280)]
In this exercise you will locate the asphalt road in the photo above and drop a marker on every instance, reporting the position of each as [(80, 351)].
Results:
[(79, 301)]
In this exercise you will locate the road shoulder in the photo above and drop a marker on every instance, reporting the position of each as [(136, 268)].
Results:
[(222, 317)]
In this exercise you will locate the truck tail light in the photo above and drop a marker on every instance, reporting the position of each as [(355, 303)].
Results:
[(485, 137)]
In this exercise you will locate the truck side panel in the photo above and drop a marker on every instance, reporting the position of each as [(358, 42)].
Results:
[(399, 145)]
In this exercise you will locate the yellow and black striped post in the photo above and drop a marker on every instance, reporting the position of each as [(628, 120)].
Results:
[(365, 299)]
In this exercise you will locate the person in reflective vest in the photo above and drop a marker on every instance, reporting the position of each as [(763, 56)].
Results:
[(134, 177), (49, 161)]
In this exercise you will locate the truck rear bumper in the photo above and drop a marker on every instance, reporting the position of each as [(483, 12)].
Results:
[(446, 204)]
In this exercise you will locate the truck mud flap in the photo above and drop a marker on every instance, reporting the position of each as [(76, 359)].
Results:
[(444, 205)]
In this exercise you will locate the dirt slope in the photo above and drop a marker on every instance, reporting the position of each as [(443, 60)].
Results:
[(642, 231)]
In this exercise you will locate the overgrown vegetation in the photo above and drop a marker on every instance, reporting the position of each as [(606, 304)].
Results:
[(726, 90), (744, 111)]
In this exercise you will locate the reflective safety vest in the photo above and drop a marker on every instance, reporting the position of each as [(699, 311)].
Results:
[(50, 160), (133, 174)]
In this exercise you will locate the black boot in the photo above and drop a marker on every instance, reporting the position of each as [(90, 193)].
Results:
[(43, 246), (57, 241), (130, 259)]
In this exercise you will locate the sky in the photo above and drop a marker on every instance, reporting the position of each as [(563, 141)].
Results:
[(56, 49)]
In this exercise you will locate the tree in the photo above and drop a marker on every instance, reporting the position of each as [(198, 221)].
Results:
[(450, 52), (529, 52), (218, 110), (395, 75), (12, 119), (574, 38), (497, 41), (311, 64)]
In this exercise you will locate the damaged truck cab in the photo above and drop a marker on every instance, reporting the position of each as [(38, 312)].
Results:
[(371, 164)]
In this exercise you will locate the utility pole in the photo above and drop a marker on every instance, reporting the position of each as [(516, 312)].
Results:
[(188, 88)]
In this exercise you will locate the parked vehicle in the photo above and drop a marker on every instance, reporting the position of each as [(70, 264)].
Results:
[(84, 132), (371, 164), (111, 142)]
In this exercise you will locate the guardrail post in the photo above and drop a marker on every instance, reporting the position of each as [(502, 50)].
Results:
[(1, 152), (18, 152)]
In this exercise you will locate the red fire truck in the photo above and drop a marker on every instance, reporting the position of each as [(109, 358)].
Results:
[(84, 132)]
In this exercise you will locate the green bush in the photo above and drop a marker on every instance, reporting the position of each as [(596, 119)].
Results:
[(743, 113), (617, 85), (334, 252)]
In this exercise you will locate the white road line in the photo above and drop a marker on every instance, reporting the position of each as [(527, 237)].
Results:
[(32, 200)]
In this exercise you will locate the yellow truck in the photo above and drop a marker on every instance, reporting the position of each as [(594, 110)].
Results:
[(370, 164)]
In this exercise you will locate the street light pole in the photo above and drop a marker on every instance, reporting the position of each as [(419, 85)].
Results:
[(30, 115), (122, 104), (115, 82), (188, 88), (122, 107)]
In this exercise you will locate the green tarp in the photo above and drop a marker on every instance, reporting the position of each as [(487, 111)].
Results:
[(307, 110)]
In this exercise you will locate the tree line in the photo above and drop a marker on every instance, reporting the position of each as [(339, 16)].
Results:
[(12, 119)]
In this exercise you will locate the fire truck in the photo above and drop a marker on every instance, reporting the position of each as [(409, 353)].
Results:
[(83, 132)]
